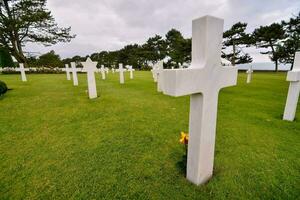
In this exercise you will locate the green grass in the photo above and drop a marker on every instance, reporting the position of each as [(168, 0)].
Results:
[(55, 143)]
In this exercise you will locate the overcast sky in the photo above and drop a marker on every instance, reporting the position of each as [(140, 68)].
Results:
[(111, 24)]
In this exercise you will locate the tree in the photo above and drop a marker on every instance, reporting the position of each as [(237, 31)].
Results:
[(292, 42), (5, 58), (237, 38), (269, 37), (178, 48), (23, 21), (154, 49), (129, 55), (50, 59)]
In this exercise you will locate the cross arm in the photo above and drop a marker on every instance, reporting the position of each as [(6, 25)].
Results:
[(182, 82), (293, 75), (229, 76)]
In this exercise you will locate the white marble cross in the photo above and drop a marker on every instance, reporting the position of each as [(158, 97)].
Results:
[(74, 71), (106, 70), (22, 70), (249, 74), (102, 70), (90, 67), (121, 70), (131, 70), (67, 70), (202, 80), (159, 67), (180, 66), (294, 90), (154, 75)]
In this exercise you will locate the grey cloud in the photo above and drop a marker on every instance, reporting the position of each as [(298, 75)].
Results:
[(111, 24)]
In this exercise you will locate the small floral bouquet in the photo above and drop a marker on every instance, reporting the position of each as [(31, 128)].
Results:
[(184, 139)]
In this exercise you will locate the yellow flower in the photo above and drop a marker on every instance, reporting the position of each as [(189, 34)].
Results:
[(184, 138)]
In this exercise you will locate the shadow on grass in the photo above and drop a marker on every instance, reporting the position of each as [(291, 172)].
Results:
[(181, 165)]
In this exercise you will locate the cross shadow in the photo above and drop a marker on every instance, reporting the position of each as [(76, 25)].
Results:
[(181, 165)]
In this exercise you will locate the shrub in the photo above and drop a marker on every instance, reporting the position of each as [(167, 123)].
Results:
[(3, 88)]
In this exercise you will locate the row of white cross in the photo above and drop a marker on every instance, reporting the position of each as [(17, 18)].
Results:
[(202, 81), (90, 68)]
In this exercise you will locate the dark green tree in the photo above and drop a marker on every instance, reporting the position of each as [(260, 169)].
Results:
[(50, 59), (154, 49), (129, 55), (270, 37), (178, 48), (292, 42), (23, 21), (237, 38), (5, 58)]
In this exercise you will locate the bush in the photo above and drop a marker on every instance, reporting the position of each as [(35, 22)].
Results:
[(3, 88), (40, 70)]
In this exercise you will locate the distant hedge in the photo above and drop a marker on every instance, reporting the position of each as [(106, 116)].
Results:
[(34, 71), (3, 88)]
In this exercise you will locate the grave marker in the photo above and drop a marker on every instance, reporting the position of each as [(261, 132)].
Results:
[(249, 74), (203, 81), (131, 70), (74, 71), (90, 67), (158, 71), (67, 70), (121, 70), (294, 90), (102, 70), (22, 70)]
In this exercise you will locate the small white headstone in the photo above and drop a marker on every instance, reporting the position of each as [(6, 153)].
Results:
[(121, 70), (22, 70), (90, 67), (131, 70), (67, 70), (102, 70), (294, 90), (203, 81), (180, 66), (154, 75), (74, 71), (159, 67), (249, 74)]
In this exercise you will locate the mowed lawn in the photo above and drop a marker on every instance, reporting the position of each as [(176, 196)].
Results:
[(55, 143)]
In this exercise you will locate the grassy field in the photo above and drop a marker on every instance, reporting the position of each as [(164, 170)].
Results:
[(55, 143)]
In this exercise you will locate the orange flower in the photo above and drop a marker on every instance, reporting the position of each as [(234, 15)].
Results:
[(184, 138)]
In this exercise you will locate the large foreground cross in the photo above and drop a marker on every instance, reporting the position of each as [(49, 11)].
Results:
[(22, 70), (294, 90), (90, 67), (203, 81)]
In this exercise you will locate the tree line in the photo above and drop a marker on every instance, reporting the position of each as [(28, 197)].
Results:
[(24, 21), (281, 41)]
